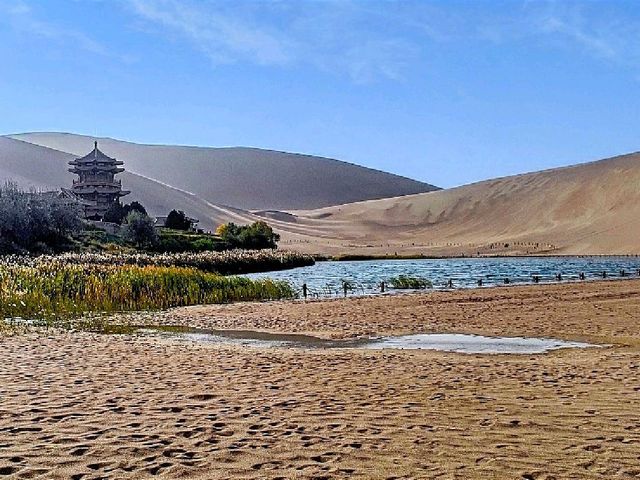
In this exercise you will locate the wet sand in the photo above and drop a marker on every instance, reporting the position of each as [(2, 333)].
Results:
[(79, 405)]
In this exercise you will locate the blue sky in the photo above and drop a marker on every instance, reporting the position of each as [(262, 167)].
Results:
[(448, 92)]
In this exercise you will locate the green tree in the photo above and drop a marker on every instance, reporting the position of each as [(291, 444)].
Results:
[(115, 214), (140, 230), (136, 206), (258, 235), (34, 221), (118, 212), (178, 220)]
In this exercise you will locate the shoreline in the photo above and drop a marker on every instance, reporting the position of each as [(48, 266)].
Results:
[(439, 311), (365, 257)]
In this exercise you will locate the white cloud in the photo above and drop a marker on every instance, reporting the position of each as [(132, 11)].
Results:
[(328, 35), (223, 38), (22, 17), (380, 39), (601, 32)]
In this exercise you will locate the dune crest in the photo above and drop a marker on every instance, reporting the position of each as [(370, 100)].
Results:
[(247, 178), (591, 208)]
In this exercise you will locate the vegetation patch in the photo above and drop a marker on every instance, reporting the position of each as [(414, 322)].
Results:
[(50, 291), (34, 222), (406, 282), (235, 262), (176, 241), (256, 236)]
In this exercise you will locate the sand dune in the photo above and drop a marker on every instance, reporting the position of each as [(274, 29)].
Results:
[(247, 178), (591, 208), (44, 168)]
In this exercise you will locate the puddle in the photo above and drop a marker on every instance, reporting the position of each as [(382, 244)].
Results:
[(460, 343), (474, 343)]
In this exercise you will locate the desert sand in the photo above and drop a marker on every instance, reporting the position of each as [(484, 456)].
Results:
[(591, 208), (81, 405)]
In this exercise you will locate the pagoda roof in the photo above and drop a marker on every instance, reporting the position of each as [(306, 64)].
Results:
[(95, 156), (98, 168)]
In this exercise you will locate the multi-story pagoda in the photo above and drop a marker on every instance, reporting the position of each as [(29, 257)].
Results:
[(97, 184)]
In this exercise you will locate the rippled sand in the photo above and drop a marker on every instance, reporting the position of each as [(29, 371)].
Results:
[(98, 406)]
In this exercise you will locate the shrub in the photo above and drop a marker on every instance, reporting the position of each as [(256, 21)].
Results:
[(409, 283), (140, 230), (118, 212), (257, 236), (34, 221), (178, 220)]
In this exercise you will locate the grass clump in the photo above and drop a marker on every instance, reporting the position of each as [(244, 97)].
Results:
[(233, 262), (49, 291), (406, 282)]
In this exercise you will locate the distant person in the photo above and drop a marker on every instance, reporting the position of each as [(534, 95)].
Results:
[(304, 290)]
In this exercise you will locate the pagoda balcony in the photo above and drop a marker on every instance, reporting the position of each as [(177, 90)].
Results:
[(99, 183), (96, 168), (98, 189)]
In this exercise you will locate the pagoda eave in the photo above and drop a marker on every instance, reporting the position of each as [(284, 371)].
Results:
[(80, 169), (91, 163)]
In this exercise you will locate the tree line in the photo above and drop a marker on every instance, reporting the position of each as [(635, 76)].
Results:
[(35, 222)]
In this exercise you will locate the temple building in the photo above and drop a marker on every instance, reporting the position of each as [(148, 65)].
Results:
[(96, 184)]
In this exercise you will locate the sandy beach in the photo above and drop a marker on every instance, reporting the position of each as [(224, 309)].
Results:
[(87, 406)]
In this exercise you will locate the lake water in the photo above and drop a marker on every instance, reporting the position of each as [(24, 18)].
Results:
[(448, 342), (325, 278)]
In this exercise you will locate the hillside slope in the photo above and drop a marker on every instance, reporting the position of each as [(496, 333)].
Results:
[(591, 208), (45, 169), (247, 178)]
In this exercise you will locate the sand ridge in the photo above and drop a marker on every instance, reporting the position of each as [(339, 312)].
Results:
[(80, 405)]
